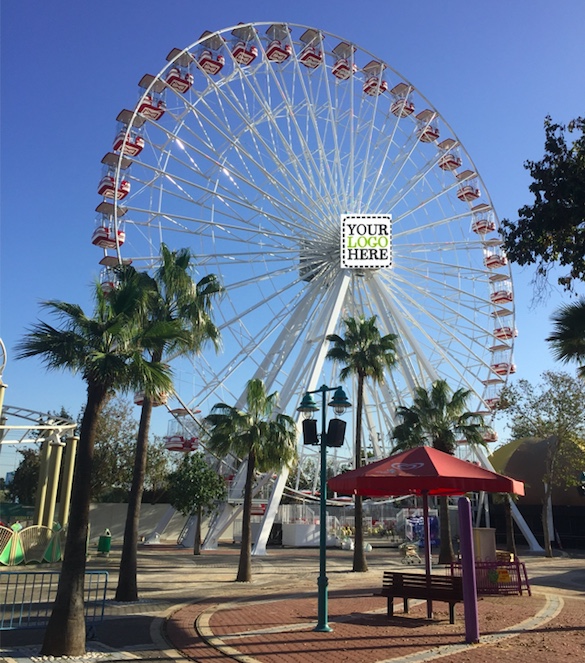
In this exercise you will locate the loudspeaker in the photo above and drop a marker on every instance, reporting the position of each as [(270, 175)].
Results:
[(336, 433), (310, 432)]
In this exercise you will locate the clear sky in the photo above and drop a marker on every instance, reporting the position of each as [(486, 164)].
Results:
[(493, 69)]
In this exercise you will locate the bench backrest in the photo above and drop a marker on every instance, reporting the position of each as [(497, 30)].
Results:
[(405, 582)]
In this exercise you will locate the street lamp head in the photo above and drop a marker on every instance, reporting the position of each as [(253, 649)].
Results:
[(339, 401), (308, 406)]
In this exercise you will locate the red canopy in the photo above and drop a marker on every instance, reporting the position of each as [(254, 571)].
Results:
[(422, 470)]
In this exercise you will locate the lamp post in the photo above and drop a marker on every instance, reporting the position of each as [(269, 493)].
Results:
[(333, 437)]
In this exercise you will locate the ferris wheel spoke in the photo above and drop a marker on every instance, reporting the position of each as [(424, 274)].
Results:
[(370, 143), (418, 181), (470, 302), (315, 104), (385, 142), (462, 339), (303, 172), (231, 203), (405, 230), (217, 156), (218, 160)]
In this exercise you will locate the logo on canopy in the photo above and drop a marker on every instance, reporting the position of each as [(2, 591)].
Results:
[(407, 467)]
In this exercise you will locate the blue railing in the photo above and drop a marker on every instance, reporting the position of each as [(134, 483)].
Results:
[(27, 597)]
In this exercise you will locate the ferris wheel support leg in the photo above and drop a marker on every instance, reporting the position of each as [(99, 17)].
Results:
[(270, 515), (227, 514)]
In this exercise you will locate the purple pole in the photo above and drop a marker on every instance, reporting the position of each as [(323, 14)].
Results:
[(468, 567)]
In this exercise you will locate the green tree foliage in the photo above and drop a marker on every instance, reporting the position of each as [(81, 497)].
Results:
[(568, 338), (261, 435), (183, 307), (159, 464), (195, 487), (114, 446), (551, 231), (553, 409), (23, 487), (363, 352), (439, 417), (106, 349), (115, 449)]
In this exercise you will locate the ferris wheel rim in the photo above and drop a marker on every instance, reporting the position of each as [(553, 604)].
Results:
[(223, 259)]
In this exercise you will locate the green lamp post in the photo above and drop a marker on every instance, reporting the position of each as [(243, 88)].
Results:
[(332, 437)]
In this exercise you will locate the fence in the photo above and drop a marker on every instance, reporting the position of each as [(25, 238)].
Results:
[(27, 598), (498, 577)]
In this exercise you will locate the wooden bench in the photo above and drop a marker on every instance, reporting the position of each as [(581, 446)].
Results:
[(420, 586)]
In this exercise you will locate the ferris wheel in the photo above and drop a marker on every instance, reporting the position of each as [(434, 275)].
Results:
[(317, 183)]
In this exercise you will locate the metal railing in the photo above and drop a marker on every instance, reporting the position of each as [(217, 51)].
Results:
[(27, 597)]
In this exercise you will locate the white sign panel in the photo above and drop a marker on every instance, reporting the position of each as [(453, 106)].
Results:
[(366, 241)]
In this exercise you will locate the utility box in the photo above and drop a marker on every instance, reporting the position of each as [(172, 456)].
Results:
[(484, 544)]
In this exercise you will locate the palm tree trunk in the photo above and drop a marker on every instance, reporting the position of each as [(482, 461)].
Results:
[(197, 542), (359, 557), (245, 565), (446, 552), (127, 590), (65, 633)]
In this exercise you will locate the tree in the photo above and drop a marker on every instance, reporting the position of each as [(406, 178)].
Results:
[(23, 487), (364, 353), (176, 301), (553, 410), (195, 487), (439, 418), (106, 351), (568, 338), (114, 446), (159, 465), (551, 231), (266, 438)]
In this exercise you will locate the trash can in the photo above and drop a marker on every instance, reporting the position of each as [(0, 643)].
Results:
[(105, 543)]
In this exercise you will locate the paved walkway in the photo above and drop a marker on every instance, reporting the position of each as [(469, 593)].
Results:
[(191, 608)]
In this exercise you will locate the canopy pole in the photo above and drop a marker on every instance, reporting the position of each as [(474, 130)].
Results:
[(427, 535)]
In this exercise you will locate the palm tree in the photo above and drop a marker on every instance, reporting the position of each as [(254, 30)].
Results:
[(175, 301), (568, 339), (103, 349), (366, 354), (268, 440), (440, 418)]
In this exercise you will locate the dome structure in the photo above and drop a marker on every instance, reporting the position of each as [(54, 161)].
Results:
[(525, 460)]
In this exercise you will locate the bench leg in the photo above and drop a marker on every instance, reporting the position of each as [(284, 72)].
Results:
[(451, 613), (390, 606), (429, 609)]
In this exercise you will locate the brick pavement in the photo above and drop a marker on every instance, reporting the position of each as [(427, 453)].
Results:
[(280, 630), (547, 627), (191, 607)]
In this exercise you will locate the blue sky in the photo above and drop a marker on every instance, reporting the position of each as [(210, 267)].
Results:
[(493, 70)]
